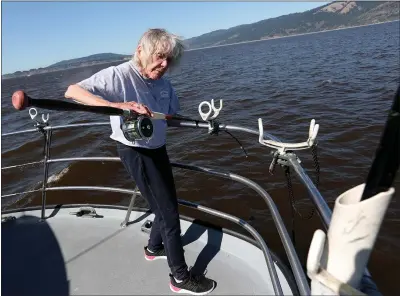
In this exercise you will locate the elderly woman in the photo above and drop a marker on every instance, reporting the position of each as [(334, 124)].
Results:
[(139, 85)]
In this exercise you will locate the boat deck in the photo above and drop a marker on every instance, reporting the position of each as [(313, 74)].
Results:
[(70, 255)]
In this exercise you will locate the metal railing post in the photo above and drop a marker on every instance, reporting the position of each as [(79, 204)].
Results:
[(323, 209), (47, 136), (132, 202)]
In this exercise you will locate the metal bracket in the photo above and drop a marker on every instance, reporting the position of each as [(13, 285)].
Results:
[(213, 127), (284, 158), (146, 226), (273, 162), (280, 158), (39, 125), (33, 113)]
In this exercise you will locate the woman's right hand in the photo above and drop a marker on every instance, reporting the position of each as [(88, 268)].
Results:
[(139, 108)]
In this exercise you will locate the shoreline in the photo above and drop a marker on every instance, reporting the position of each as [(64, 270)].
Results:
[(294, 35)]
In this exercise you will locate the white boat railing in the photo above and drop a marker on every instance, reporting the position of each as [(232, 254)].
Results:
[(284, 155), (299, 275)]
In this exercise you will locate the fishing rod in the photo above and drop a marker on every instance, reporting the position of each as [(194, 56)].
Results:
[(387, 158), (158, 115), (135, 126), (21, 100)]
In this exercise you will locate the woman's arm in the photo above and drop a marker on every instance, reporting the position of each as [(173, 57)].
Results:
[(103, 90), (85, 97)]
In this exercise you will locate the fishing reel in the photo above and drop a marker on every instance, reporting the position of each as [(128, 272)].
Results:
[(137, 128)]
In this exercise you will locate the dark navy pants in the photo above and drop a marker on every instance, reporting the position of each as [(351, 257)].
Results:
[(152, 172)]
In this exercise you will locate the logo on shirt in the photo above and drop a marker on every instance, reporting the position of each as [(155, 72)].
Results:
[(164, 94)]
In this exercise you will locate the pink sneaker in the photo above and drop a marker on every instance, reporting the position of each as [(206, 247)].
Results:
[(151, 256)]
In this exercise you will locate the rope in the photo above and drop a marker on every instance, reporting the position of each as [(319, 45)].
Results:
[(314, 153)]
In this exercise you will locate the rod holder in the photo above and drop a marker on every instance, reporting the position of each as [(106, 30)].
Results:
[(282, 147), (336, 263)]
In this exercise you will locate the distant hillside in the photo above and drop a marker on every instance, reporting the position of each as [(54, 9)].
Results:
[(331, 16), (100, 57), (73, 63)]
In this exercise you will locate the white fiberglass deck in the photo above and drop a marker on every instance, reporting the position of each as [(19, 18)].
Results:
[(69, 255)]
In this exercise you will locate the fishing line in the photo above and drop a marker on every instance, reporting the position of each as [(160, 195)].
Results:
[(240, 144)]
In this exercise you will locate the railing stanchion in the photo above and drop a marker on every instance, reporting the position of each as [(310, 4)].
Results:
[(47, 136), (128, 212)]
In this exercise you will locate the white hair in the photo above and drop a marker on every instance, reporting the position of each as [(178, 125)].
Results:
[(159, 41)]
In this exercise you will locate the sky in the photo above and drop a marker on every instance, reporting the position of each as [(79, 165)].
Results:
[(38, 34)]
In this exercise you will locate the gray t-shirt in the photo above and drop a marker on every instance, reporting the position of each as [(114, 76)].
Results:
[(123, 83)]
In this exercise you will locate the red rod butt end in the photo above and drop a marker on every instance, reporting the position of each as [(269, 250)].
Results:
[(19, 100)]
